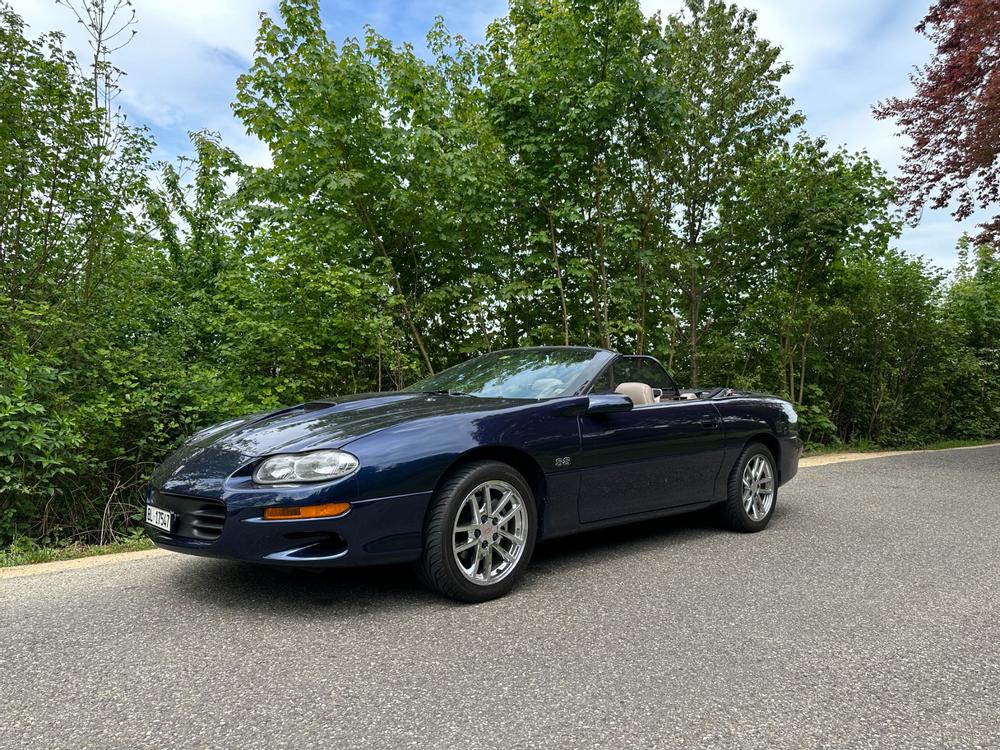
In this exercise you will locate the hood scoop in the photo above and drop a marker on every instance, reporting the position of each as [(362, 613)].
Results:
[(316, 405), (294, 411)]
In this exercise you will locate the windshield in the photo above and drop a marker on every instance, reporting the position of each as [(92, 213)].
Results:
[(512, 373)]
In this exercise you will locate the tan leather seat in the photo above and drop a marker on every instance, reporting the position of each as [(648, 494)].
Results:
[(640, 393)]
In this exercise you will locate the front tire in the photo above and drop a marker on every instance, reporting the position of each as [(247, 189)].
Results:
[(752, 490), (480, 532)]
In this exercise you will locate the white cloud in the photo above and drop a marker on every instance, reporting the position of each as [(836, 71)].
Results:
[(846, 56), (809, 33), (181, 66)]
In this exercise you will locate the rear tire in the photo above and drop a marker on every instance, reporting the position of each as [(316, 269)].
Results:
[(480, 532), (752, 492)]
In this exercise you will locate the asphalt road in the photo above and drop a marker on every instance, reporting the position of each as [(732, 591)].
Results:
[(867, 615)]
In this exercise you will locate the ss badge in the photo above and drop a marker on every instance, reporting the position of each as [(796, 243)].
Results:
[(562, 462)]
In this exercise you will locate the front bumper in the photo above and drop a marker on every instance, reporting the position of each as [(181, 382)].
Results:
[(376, 531)]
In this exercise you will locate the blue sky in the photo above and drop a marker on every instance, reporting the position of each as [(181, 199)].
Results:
[(846, 55)]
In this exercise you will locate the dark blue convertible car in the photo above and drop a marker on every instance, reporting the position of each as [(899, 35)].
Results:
[(462, 473)]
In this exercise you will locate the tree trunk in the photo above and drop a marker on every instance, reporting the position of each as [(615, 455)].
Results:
[(694, 320), (673, 344), (640, 341), (397, 287), (802, 369), (408, 319), (558, 269), (605, 302)]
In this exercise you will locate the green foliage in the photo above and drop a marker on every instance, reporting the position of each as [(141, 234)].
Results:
[(587, 175), (578, 95), (385, 168), (734, 114), (26, 551), (37, 446), (815, 425), (972, 320)]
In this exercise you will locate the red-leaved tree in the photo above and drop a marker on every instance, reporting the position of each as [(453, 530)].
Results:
[(953, 117)]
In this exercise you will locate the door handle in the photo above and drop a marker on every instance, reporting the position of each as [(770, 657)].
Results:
[(710, 423)]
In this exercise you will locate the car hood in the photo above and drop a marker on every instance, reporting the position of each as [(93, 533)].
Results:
[(331, 423), (202, 464)]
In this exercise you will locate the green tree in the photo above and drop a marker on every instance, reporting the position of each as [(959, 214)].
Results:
[(971, 377), (884, 344), (803, 210), (733, 114), (66, 190), (578, 96), (387, 160)]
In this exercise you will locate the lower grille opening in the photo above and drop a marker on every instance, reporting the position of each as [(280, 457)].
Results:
[(195, 517)]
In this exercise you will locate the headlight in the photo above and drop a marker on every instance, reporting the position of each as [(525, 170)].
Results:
[(319, 466)]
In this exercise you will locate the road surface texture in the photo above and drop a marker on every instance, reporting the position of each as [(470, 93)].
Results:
[(867, 615)]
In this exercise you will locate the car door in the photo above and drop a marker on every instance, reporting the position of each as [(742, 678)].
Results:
[(651, 458)]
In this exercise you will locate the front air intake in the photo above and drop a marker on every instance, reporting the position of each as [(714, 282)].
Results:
[(195, 517)]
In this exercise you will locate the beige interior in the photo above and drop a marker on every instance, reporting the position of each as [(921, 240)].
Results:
[(640, 393)]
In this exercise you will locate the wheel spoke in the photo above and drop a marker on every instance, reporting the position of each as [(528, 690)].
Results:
[(466, 529), (475, 562), (504, 499), (506, 519), (510, 537), (466, 545), (502, 552), (758, 487), (488, 566), (473, 507)]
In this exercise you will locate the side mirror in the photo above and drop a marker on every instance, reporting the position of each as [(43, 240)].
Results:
[(609, 403)]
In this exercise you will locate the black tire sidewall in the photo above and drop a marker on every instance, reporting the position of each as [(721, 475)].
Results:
[(446, 576)]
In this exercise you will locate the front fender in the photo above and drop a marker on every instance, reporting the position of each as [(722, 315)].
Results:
[(412, 457)]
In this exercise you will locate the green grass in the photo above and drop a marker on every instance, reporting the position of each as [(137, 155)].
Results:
[(822, 450), (942, 444), (25, 552)]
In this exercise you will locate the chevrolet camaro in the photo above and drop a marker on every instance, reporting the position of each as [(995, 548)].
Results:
[(462, 473)]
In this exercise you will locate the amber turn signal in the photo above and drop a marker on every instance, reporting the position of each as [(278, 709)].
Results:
[(327, 510)]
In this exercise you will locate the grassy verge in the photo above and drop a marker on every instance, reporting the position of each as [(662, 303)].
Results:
[(25, 552), (822, 450)]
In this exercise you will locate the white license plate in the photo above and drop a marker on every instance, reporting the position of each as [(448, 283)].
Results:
[(160, 518)]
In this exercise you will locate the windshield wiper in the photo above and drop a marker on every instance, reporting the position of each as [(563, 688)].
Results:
[(446, 392)]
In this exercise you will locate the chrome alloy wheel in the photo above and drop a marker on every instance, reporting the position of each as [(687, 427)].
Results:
[(490, 532), (758, 488)]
